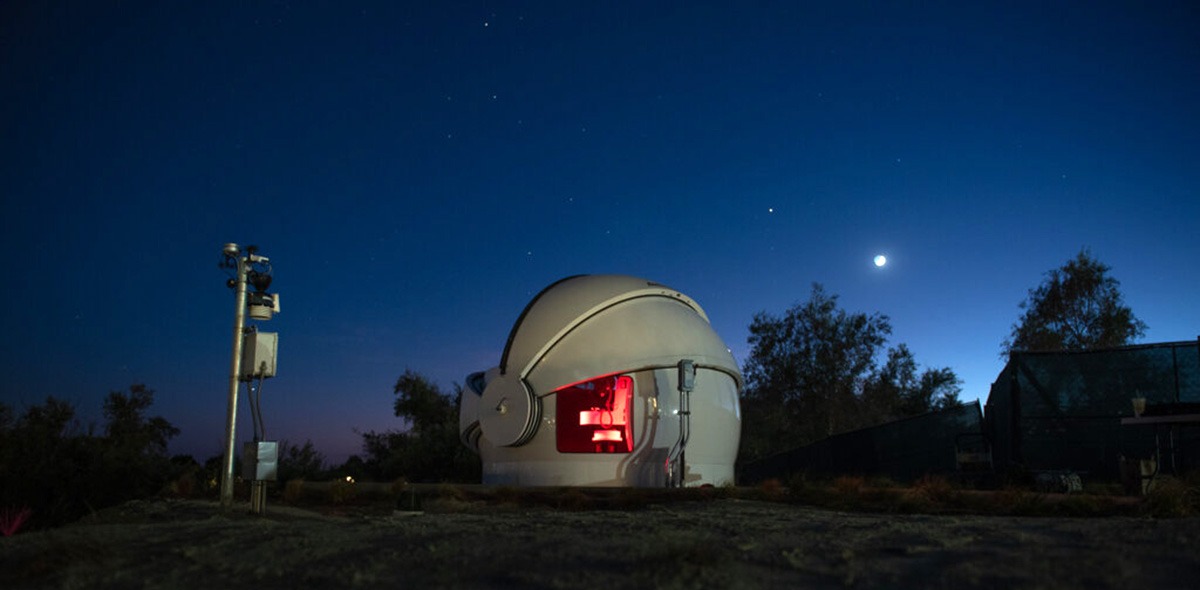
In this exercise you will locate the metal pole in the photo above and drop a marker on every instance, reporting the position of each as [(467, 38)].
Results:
[(235, 370)]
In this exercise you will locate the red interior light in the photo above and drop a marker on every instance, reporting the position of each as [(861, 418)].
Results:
[(596, 416)]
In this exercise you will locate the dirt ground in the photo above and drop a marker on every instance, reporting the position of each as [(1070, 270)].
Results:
[(724, 543)]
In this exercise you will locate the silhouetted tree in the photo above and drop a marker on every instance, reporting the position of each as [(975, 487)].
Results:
[(938, 389), (896, 390), (41, 432), (62, 474), (128, 426), (354, 467), (300, 462), (6, 417), (429, 450), (803, 372), (44, 460), (1078, 307), (812, 373), (422, 403), (134, 448)]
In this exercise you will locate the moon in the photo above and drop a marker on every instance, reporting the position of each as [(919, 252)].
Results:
[(880, 260)]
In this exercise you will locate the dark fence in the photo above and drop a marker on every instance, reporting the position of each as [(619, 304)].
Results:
[(904, 450)]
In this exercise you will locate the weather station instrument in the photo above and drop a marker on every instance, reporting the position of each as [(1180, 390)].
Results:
[(253, 361)]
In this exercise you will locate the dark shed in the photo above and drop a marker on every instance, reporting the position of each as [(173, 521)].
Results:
[(1062, 411)]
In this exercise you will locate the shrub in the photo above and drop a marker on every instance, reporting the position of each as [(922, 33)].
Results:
[(1172, 497), (62, 474), (848, 485), (574, 500), (936, 489), (293, 491), (771, 489), (342, 491), (1020, 501), (183, 486), (399, 485)]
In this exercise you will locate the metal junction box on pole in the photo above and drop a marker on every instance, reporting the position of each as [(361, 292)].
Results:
[(260, 460), (258, 355)]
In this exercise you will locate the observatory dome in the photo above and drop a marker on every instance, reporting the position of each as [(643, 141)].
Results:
[(607, 380)]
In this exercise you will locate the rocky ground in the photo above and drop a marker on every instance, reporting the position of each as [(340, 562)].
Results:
[(725, 543)]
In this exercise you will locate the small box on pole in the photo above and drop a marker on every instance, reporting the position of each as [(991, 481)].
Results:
[(258, 355), (260, 460)]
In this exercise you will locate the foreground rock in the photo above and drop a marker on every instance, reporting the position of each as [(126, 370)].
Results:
[(717, 544)]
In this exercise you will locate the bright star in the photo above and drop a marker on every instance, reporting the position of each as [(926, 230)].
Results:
[(880, 260)]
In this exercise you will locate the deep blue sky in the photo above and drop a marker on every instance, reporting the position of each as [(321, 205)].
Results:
[(418, 171)]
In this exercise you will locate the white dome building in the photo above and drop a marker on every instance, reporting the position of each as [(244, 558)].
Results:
[(607, 380)]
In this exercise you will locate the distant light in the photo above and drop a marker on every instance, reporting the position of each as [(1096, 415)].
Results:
[(880, 260), (770, 209), (349, 479)]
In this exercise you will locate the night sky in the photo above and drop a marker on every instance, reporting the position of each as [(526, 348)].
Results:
[(417, 171)]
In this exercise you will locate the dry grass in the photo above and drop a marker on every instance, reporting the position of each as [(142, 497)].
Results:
[(677, 539), (849, 485), (938, 495), (772, 490), (1170, 498)]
